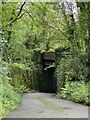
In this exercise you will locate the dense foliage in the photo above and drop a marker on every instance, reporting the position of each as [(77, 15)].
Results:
[(31, 27), (75, 91), (10, 99)]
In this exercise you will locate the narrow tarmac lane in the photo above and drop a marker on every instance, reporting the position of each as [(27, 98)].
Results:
[(45, 105)]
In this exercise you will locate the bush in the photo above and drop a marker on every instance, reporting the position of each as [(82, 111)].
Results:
[(9, 98), (24, 76), (75, 91), (18, 73), (23, 89), (71, 69)]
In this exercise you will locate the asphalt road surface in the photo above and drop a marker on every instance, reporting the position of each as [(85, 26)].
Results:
[(46, 105)]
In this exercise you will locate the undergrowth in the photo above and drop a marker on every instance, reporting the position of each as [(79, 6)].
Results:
[(10, 99), (75, 91)]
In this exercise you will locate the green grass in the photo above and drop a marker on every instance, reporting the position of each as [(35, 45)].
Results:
[(50, 105)]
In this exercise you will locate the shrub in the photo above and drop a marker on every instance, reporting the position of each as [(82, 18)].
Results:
[(75, 91), (22, 89), (18, 72), (71, 69), (24, 76), (9, 98)]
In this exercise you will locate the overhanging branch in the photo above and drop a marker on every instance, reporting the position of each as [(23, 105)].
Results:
[(17, 17)]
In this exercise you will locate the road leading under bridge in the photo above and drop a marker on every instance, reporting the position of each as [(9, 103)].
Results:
[(46, 105)]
